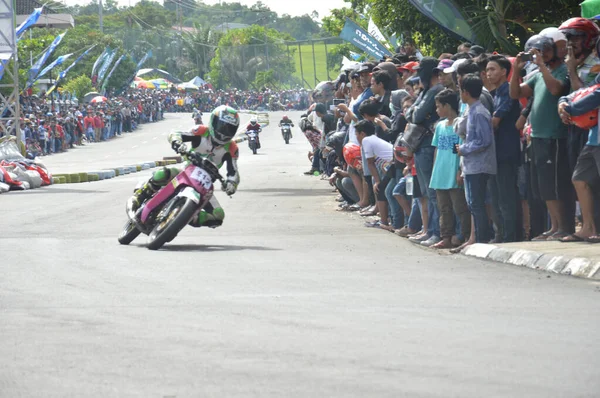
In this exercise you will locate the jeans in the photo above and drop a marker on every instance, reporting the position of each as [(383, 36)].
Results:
[(475, 186), (396, 212), (424, 165), (316, 162), (347, 190), (508, 200)]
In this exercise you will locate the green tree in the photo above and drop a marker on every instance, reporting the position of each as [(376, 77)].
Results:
[(79, 86), (242, 53), (502, 25)]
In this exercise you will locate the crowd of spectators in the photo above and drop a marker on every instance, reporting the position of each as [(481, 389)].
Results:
[(52, 126), (469, 147), (264, 100)]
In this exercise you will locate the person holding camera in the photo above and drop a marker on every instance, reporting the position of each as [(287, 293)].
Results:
[(550, 177)]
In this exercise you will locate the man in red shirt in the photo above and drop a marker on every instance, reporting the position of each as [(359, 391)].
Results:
[(88, 125), (98, 127)]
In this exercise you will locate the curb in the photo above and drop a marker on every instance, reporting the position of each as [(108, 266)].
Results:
[(577, 266), (106, 174)]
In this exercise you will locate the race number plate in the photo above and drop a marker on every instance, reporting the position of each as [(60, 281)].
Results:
[(202, 177)]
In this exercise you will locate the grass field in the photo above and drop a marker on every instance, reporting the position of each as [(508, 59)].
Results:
[(308, 66)]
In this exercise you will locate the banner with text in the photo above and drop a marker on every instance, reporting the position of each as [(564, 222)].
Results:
[(360, 38)]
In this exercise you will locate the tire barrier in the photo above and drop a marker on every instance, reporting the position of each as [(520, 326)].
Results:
[(106, 174)]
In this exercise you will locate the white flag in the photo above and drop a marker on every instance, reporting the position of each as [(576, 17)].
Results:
[(376, 33)]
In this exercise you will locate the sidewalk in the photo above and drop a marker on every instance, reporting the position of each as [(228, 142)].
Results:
[(577, 259)]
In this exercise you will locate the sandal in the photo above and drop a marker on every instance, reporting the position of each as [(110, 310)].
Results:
[(557, 236), (572, 238), (442, 245), (593, 239), (404, 232)]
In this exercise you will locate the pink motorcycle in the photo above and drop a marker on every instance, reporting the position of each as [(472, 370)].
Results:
[(173, 206)]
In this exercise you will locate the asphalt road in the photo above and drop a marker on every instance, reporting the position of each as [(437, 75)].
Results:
[(288, 299)]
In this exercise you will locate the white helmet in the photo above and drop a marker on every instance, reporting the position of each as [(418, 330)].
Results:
[(253, 120), (554, 34)]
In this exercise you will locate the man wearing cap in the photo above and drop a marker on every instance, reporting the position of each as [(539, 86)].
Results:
[(549, 167)]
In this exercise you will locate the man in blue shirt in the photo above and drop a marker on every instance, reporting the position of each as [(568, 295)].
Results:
[(508, 145), (479, 154), (587, 170)]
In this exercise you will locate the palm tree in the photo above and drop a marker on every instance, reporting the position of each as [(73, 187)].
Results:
[(199, 45)]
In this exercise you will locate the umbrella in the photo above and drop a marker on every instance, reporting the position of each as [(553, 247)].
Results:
[(88, 97), (188, 86), (97, 99), (144, 84), (590, 8), (160, 83)]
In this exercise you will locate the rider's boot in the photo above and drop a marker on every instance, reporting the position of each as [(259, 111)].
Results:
[(211, 220), (143, 194)]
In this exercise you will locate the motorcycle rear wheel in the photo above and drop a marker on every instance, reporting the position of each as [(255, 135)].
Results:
[(129, 233), (175, 221)]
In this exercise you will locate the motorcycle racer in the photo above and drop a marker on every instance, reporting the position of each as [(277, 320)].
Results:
[(286, 120), (255, 127), (212, 142)]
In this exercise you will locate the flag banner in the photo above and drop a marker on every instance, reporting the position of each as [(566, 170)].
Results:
[(144, 59), (448, 16), (100, 59), (105, 65), (112, 70), (33, 18), (33, 72), (376, 33), (58, 61), (64, 72), (360, 38)]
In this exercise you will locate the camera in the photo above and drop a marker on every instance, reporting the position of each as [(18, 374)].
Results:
[(527, 57)]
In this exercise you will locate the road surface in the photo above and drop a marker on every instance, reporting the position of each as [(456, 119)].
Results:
[(289, 298)]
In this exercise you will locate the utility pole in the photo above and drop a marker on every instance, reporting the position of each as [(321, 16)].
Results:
[(100, 7), (267, 48)]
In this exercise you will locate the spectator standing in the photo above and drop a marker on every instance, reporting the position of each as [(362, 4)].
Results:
[(478, 152), (508, 146), (549, 166), (422, 113)]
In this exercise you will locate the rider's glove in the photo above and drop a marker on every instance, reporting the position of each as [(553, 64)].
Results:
[(176, 145), (229, 187), (182, 150)]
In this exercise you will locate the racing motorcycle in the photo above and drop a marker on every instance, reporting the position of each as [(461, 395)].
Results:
[(174, 206), (253, 140), (286, 131)]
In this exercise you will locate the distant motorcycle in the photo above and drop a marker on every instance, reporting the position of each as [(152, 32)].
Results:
[(286, 131), (253, 143), (175, 205)]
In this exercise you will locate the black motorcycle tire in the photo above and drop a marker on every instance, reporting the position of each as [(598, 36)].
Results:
[(185, 210), (129, 233)]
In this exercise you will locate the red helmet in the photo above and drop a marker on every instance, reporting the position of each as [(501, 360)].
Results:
[(581, 27), (352, 155), (589, 119), (285, 117)]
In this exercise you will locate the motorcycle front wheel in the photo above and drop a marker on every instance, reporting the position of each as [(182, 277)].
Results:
[(178, 217), (129, 233)]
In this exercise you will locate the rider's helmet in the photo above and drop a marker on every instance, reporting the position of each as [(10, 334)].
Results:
[(285, 118), (253, 120), (224, 123), (581, 27), (352, 155)]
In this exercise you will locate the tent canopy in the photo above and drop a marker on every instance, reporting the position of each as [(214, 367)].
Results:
[(197, 81), (162, 73)]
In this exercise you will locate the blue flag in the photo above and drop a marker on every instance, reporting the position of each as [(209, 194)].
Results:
[(112, 70), (33, 72), (360, 38), (33, 18), (100, 59), (58, 61), (144, 59), (64, 72), (104, 67)]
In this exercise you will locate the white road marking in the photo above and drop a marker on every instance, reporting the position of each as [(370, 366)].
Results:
[(135, 146), (154, 138), (144, 142)]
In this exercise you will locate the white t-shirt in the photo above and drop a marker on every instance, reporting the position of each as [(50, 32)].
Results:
[(375, 147), (351, 130)]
